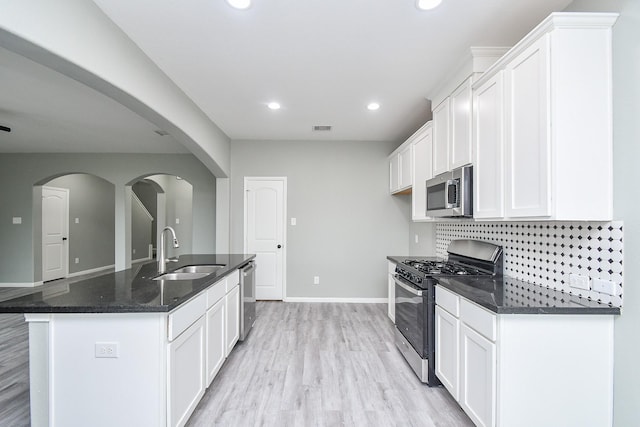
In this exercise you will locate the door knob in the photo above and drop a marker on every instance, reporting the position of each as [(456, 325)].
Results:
[(279, 246), (64, 238)]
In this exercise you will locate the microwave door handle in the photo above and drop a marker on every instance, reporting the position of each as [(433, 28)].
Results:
[(453, 203)]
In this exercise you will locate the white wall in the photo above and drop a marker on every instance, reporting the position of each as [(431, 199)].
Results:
[(347, 223)]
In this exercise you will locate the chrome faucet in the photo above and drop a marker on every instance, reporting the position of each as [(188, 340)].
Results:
[(162, 266)]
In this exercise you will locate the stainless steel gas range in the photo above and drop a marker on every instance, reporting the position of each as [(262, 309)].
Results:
[(415, 297)]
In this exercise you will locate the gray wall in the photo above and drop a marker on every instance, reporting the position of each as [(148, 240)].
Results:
[(426, 232), (92, 202), (149, 198), (179, 197), (22, 171), (626, 152), (347, 223), (141, 231)]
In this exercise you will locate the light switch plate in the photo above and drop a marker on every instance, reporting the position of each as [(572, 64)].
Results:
[(293, 221), (17, 220), (316, 280)]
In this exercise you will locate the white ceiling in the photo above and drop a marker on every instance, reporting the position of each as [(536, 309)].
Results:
[(51, 113), (323, 60)]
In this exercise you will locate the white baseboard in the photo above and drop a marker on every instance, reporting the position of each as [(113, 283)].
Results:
[(133, 261), (20, 285), (93, 270), (341, 300)]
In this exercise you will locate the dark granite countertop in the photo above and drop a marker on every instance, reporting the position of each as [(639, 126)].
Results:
[(128, 291), (512, 296)]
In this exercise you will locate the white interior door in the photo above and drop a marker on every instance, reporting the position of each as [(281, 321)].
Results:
[(265, 214), (55, 225)]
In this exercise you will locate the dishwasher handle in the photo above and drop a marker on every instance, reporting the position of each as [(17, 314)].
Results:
[(248, 268)]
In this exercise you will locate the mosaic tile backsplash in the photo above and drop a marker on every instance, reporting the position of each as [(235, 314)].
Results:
[(545, 253)]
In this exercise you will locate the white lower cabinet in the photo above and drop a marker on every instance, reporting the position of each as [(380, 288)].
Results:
[(232, 305), (216, 342), (477, 376), (391, 292), (447, 339), (499, 367), (186, 373)]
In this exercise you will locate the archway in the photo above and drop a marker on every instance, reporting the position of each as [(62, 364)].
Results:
[(173, 198)]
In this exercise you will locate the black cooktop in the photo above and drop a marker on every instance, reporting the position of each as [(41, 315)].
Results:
[(441, 267)]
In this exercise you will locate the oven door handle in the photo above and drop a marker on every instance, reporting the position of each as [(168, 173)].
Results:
[(414, 291)]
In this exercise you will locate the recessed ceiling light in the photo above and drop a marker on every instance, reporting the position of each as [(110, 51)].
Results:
[(373, 106), (427, 4), (273, 106), (239, 4)]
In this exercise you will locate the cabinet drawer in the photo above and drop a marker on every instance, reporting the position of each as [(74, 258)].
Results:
[(479, 319), (186, 315), (233, 280), (216, 291), (448, 300)]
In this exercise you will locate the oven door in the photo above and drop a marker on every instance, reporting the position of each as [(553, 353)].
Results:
[(410, 314)]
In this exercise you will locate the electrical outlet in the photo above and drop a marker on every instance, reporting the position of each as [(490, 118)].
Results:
[(293, 221), (134, 251), (416, 238), (77, 260), (107, 349), (604, 286), (177, 220), (17, 220), (77, 221), (579, 282), (316, 280)]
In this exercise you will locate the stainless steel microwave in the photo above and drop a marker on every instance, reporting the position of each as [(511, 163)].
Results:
[(450, 194)]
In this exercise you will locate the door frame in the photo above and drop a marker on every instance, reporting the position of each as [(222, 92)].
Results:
[(245, 244), (42, 244)]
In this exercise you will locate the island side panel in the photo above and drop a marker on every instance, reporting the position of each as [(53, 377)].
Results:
[(84, 389), (39, 368), (555, 370)]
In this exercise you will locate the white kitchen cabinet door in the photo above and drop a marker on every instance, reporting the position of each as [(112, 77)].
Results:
[(391, 292), (186, 359), (441, 137), (406, 174), (216, 342), (447, 350), (477, 377), (232, 305), (394, 174), (422, 171), (488, 164), (460, 150), (528, 133)]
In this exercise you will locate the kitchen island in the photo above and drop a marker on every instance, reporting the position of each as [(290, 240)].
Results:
[(124, 349)]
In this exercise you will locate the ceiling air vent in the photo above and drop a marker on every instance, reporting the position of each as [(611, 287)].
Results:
[(321, 128), (161, 132)]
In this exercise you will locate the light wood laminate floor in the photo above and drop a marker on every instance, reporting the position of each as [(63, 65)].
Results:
[(322, 364), (304, 364)]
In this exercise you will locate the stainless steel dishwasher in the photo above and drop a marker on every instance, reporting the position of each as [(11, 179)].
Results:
[(247, 298)]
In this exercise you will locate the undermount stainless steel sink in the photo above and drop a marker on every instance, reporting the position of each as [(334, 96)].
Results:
[(190, 272), (208, 269)]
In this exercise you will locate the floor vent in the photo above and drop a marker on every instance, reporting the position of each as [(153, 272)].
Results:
[(320, 128)]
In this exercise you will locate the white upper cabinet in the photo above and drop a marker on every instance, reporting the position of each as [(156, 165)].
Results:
[(488, 133), (453, 112), (422, 171), (460, 151), (441, 137), (400, 169), (555, 161)]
